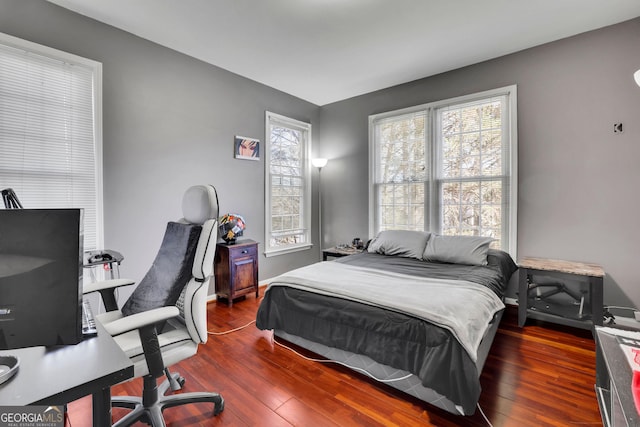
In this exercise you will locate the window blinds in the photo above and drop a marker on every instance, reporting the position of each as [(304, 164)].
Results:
[(48, 150)]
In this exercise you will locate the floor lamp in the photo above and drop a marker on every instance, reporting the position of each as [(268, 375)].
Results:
[(319, 163)]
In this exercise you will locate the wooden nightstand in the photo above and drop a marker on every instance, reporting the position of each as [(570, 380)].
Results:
[(584, 312), (236, 270)]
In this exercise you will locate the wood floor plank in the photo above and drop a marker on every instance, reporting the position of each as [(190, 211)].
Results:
[(540, 375)]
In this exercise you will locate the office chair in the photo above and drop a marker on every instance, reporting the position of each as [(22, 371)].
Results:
[(165, 318)]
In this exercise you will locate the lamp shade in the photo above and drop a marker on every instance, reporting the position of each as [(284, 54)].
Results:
[(319, 162), (636, 76)]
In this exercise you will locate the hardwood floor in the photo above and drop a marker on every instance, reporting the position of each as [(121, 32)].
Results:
[(541, 375)]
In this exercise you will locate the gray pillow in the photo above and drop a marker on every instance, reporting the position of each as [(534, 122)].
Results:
[(404, 243), (471, 250)]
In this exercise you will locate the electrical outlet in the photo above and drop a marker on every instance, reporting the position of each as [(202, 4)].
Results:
[(617, 128)]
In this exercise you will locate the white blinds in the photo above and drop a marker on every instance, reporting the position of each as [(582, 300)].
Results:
[(48, 147)]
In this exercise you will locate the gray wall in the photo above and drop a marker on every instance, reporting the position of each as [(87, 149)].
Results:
[(169, 123), (578, 182)]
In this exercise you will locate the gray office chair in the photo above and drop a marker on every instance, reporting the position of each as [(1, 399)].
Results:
[(165, 318)]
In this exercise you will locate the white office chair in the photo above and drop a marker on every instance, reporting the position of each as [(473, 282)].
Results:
[(165, 319)]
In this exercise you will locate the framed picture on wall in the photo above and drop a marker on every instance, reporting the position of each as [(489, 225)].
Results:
[(246, 148)]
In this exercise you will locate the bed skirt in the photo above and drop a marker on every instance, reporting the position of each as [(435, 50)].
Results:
[(411, 385)]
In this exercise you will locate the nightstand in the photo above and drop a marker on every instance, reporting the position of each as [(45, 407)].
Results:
[(339, 251), (579, 283), (236, 270)]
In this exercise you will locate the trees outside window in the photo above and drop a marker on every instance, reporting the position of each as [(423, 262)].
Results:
[(288, 185), (448, 167)]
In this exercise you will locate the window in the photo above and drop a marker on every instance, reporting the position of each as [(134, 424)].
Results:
[(288, 185), (448, 167), (50, 136)]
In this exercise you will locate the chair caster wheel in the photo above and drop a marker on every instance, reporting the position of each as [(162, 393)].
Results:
[(219, 407)]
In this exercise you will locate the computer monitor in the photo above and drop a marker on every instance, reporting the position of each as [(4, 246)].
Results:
[(40, 277)]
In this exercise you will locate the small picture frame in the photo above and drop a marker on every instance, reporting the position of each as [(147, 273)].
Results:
[(246, 148)]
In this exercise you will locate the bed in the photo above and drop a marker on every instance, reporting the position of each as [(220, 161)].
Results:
[(415, 310)]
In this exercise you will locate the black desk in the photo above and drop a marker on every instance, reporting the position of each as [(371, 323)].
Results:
[(59, 375)]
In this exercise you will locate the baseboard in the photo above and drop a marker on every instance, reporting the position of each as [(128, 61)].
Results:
[(261, 284)]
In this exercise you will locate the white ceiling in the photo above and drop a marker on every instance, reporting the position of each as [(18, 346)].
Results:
[(329, 50)]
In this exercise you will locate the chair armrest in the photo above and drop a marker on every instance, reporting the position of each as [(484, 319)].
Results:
[(107, 289), (106, 284), (140, 320)]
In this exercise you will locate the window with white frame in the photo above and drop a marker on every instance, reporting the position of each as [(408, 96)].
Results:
[(50, 130), (448, 167), (287, 185)]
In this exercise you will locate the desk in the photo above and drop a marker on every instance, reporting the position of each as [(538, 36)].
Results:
[(59, 375)]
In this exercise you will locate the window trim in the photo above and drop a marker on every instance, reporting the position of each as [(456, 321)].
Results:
[(431, 216), (305, 127), (38, 49)]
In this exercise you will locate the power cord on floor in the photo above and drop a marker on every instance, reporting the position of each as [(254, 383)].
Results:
[(484, 416), (232, 330), (355, 368)]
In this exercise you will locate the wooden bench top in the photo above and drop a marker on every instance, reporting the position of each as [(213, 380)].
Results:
[(572, 267)]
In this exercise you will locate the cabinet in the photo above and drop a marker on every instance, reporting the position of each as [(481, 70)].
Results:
[(236, 270), (570, 295)]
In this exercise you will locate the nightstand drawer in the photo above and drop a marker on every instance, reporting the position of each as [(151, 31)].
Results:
[(243, 251)]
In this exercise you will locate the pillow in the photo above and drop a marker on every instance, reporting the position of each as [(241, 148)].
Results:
[(170, 272), (404, 243), (470, 250), (502, 261)]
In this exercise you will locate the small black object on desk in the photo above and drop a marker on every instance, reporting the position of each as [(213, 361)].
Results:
[(106, 256)]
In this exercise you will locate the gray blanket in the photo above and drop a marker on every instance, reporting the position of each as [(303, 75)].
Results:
[(439, 301)]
